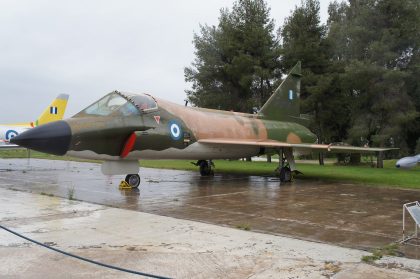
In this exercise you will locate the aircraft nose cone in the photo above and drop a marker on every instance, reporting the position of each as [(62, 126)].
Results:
[(397, 165), (53, 138)]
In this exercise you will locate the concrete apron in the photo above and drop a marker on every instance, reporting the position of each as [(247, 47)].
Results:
[(163, 245), (344, 214)]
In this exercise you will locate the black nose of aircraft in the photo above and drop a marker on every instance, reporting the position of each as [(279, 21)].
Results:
[(53, 138)]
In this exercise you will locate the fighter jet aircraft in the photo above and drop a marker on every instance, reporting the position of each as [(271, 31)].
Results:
[(55, 111), (408, 162), (122, 128)]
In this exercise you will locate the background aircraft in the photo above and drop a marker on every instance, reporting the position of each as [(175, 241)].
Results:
[(408, 162), (122, 128), (55, 111)]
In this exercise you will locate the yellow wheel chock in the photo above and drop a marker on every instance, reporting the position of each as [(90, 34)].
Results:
[(124, 185)]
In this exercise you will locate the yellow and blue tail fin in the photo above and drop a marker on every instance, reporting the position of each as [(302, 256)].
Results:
[(55, 111)]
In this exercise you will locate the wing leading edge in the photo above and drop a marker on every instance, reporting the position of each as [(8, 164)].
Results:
[(297, 146)]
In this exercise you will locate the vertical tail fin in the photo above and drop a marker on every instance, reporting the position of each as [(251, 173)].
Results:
[(55, 111), (284, 105)]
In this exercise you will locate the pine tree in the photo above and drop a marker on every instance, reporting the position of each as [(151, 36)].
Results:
[(237, 62), (374, 40), (305, 38)]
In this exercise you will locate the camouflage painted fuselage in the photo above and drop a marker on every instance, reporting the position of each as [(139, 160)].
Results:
[(171, 131), (121, 128)]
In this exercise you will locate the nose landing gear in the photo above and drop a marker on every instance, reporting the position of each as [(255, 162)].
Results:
[(131, 181)]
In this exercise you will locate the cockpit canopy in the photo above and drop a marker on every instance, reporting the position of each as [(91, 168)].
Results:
[(143, 101), (119, 104)]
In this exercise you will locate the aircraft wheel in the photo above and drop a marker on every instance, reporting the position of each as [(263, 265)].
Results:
[(133, 180), (205, 168), (285, 174)]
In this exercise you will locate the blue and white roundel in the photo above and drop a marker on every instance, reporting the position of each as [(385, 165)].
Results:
[(175, 130), (10, 134)]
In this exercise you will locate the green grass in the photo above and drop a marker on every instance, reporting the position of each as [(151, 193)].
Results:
[(70, 193), (23, 153), (245, 227), (389, 176), (377, 254)]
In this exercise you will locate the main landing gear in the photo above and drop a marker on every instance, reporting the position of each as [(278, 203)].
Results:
[(285, 174), (205, 167), (286, 169)]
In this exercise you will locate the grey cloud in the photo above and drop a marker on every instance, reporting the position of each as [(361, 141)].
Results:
[(89, 48)]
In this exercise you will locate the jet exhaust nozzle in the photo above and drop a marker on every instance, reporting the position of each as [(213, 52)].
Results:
[(53, 138)]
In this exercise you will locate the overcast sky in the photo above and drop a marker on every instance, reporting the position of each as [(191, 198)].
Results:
[(89, 48)]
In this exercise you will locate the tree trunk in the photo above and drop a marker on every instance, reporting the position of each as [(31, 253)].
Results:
[(380, 160), (268, 158), (321, 158), (261, 92)]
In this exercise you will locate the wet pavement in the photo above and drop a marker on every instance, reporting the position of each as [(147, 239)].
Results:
[(338, 213)]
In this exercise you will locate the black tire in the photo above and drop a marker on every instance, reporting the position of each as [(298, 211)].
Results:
[(285, 174), (133, 180), (205, 168)]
